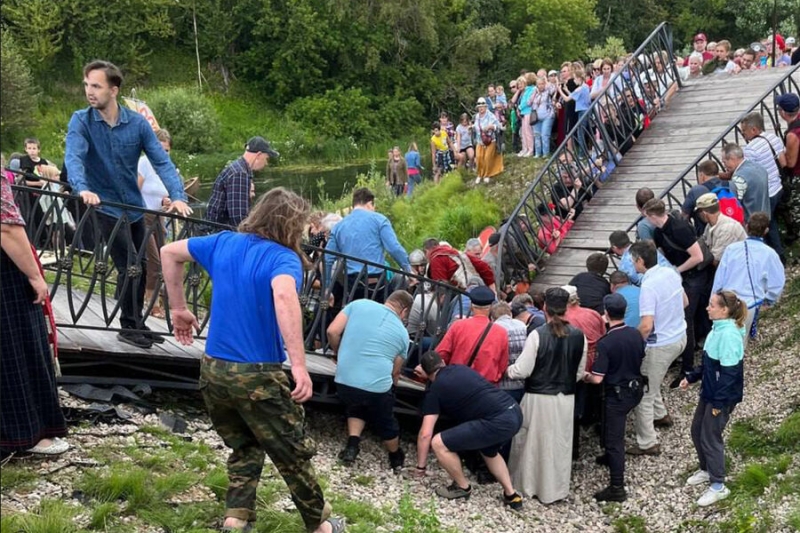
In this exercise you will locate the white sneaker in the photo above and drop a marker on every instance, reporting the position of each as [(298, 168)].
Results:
[(698, 478), (486, 180), (711, 496), (477, 180)]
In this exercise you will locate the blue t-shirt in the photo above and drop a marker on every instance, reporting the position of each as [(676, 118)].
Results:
[(631, 295), (244, 326), (582, 97), (373, 337)]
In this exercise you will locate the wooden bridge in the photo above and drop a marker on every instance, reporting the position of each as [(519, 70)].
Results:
[(677, 137)]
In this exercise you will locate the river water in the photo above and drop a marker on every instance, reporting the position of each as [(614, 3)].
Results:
[(309, 182)]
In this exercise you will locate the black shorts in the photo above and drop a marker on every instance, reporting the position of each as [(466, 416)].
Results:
[(374, 408), (486, 435), (463, 150)]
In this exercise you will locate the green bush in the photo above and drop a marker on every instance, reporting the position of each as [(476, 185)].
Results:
[(188, 115), (338, 113)]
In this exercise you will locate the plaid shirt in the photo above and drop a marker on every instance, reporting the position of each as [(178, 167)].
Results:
[(517, 334), (230, 197)]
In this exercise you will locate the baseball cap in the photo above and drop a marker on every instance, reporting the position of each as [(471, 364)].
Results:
[(259, 144), (517, 309), (481, 101), (494, 238), (700, 37), (789, 102), (571, 290), (708, 199), (555, 73), (790, 41), (481, 296), (757, 47), (615, 304), (556, 299)]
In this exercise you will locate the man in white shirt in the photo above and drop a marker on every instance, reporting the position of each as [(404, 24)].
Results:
[(661, 304), (766, 149)]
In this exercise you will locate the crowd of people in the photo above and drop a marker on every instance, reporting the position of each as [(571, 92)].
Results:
[(510, 379)]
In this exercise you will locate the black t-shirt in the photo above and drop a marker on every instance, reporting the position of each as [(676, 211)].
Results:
[(26, 164), (674, 239), (592, 288), (619, 355), (560, 191), (462, 394)]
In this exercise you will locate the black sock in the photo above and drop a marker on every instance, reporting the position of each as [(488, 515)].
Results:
[(353, 441), (395, 454)]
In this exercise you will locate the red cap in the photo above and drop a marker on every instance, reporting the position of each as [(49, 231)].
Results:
[(779, 42), (701, 37)]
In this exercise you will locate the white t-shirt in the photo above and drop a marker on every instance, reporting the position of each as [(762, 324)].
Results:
[(153, 189), (758, 151), (662, 298)]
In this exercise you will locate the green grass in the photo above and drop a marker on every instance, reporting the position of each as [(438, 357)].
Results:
[(52, 516), (794, 519), (630, 524), (103, 516), (15, 476)]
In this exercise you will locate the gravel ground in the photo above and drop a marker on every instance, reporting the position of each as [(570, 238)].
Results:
[(655, 484)]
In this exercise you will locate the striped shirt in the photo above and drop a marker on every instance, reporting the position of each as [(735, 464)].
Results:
[(517, 334), (760, 151)]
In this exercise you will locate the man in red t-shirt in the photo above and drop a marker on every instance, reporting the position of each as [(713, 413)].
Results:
[(458, 344), (700, 43), (447, 264)]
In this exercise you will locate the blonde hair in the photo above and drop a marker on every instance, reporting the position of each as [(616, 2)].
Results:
[(163, 136), (279, 215), (521, 82)]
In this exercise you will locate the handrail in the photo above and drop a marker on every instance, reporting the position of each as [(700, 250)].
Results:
[(614, 121), (77, 262), (781, 86)]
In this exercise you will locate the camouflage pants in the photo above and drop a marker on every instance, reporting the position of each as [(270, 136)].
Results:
[(251, 409)]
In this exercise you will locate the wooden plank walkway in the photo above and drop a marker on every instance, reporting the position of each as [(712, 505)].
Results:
[(697, 114), (102, 346)]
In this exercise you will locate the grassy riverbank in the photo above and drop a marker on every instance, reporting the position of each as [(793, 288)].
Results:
[(454, 210)]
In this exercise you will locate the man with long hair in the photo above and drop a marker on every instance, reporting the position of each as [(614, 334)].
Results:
[(255, 320)]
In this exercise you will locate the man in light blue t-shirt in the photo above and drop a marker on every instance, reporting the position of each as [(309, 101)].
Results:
[(621, 284), (372, 344), (662, 325)]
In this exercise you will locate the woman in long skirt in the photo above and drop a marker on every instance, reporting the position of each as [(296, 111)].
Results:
[(30, 415), (488, 158)]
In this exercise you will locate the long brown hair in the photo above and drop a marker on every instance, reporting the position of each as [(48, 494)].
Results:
[(555, 305), (279, 215), (737, 309)]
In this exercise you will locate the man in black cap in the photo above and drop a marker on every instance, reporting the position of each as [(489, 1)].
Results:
[(521, 307), (230, 197), (618, 366), (475, 341), (486, 418)]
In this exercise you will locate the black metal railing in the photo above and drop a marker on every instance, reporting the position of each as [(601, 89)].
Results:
[(590, 151), (76, 255), (675, 193)]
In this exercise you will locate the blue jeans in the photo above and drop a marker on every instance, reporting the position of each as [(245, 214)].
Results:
[(541, 136), (413, 179), (773, 238), (583, 131)]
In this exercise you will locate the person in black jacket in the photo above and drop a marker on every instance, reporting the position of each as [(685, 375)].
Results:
[(722, 373), (618, 367)]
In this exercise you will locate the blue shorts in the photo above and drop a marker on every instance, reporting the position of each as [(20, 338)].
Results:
[(486, 435)]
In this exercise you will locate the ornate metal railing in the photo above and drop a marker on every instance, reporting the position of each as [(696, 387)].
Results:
[(675, 193), (75, 252), (588, 154)]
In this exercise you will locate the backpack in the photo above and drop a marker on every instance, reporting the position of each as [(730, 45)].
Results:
[(464, 270), (729, 204)]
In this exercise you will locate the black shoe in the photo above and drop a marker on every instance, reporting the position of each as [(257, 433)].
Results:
[(397, 460), (514, 502), (348, 455), (611, 494), (134, 339), (153, 336), (602, 459)]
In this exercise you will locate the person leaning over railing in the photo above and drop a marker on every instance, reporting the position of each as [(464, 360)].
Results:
[(789, 207), (95, 134)]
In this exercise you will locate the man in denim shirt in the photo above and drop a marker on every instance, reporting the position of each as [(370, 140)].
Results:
[(104, 142)]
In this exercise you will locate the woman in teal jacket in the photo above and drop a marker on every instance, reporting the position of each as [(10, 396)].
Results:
[(722, 373)]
